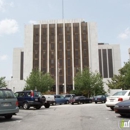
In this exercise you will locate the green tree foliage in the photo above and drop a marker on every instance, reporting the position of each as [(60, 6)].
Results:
[(88, 83), (2, 82), (39, 81), (122, 80)]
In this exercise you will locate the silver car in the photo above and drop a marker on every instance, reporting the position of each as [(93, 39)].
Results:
[(8, 103)]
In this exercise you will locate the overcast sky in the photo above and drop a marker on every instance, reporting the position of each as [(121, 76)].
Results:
[(112, 18)]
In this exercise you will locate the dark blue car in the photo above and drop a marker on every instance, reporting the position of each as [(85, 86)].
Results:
[(59, 99)]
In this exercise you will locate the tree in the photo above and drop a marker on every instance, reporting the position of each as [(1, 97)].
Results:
[(88, 83), (122, 80), (39, 81), (2, 82)]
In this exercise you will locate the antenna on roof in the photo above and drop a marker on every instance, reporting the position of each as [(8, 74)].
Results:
[(62, 9)]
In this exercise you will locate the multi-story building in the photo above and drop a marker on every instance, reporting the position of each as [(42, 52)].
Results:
[(109, 60), (62, 48)]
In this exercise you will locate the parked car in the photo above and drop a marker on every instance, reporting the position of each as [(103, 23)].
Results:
[(69, 97), (50, 99), (30, 98), (81, 99), (117, 97), (8, 103), (59, 99), (100, 98), (123, 108)]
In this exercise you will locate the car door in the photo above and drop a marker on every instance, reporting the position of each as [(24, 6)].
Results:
[(81, 99), (57, 99), (62, 99)]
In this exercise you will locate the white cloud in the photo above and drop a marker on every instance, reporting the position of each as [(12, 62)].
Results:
[(125, 34), (33, 22), (4, 5), (8, 26), (3, 57)]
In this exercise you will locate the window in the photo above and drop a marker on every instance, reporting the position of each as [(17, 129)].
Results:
[(60, 30), (68, 53), (76, 45), (76, 37), (21, 95), (8, 94), (52, 61), (60, 46), (76, 53), (60, 38), (52, 71), (68, 62), (121, 93), (68, 37), (76, 62), (28, 94), (1, 94), (52, 46)]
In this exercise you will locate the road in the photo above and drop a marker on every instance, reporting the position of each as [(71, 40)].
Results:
[(64, 117)]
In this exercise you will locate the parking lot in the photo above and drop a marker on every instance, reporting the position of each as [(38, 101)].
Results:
[(64, 117)]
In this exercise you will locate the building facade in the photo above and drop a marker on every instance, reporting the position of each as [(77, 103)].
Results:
[(62, 48), (109, 61)]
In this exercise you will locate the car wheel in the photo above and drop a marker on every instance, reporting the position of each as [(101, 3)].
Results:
[(72, 103), (53, 103), (67, 102), (112, 108), (8, 116), (26, 106), (95, 102), (47, 105), (37, 107), (79, 102)]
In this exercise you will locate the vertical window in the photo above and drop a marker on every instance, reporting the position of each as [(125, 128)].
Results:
[(105, 63), (100, 61), (110, 61), (21, 67)]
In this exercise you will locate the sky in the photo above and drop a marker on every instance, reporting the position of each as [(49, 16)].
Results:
[(112, 18)]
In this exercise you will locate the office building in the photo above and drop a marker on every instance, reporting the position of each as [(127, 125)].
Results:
[(62, 48)]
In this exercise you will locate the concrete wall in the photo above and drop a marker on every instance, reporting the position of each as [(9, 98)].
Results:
[(93, 47), (28, 50), (16, 62)]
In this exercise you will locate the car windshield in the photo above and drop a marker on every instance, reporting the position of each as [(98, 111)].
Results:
[(121, 93)]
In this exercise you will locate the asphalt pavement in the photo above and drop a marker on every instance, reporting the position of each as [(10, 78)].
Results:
[(65, 117)]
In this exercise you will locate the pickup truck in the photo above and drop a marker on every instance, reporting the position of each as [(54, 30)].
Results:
[(50, 99)]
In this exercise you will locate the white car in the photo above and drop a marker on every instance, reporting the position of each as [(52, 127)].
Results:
[(117, 97)]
